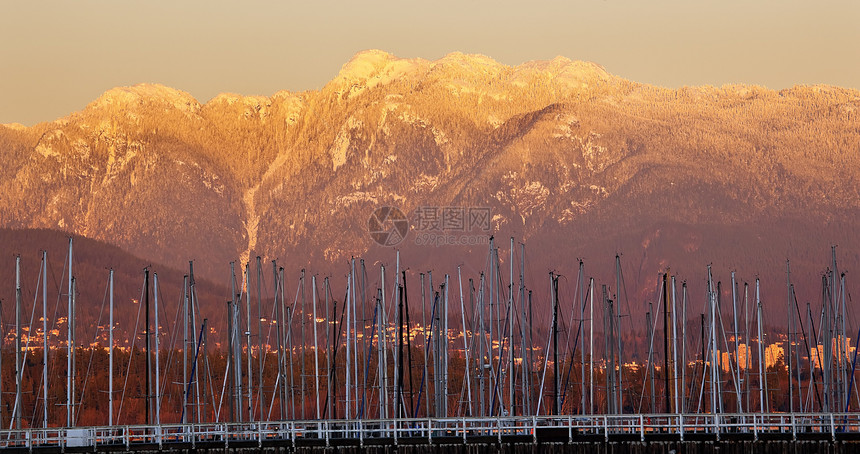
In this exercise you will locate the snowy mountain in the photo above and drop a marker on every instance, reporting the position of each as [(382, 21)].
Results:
[(561, 154)]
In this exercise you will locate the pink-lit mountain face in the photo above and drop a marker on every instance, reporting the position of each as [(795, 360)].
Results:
[(576, 162)]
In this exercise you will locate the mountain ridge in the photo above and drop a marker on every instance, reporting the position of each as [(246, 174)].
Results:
[(556, 150)]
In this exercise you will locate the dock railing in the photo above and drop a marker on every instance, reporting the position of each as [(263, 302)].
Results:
[(439, 430)]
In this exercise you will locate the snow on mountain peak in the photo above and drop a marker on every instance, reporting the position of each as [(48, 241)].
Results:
[(575, 73), (371, 68), (478, 62), (365, 65), (14, 126), (144, 94), (233, 98)]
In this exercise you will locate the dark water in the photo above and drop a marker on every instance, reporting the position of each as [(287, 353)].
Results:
[(595, 447)]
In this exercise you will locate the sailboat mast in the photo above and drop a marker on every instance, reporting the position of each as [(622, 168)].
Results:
[(798, 362), (469, 370), (286, 347), (409, 349), (650, 334), (185, 348), (609, 353), (354, 323), (737, 343), (591, 345), (235, 343), (618, 289), (148, 388), (249, 359), (110, 360), (748, 359), (675, 348), (555, 365), (347, 372), (444, 351), (790, 333), (395, 397), (383, 357), (683, 408), (761, 359), (712, 340), (18, 365), (511, 376), (581, 285), (843, 350), (482, 350), (499, 385), (355, 351), (398, 396), (74, 325), (465, 343), (491, 280), (316, 349), (813, 358), (157, 345), (426, 332), (282, 318), (666, 364), (327, 352), (788, 346), (260, 352), (70, 346), (379, 353), (364, 339), (230, 371), (193, 300), (525, 350), (833, 325), (45, 339), (2, 336)]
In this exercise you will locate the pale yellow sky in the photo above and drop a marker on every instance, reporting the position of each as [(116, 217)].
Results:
[(57, 56)]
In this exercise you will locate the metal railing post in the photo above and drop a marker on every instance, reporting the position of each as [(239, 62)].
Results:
[(327, 434), (606, 427), (717, 425), (569, 429), (832, 428), (534, 429), (641, 427), (793, 428), (755, 428)]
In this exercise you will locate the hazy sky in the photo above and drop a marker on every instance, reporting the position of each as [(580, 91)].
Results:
[(57, 56)]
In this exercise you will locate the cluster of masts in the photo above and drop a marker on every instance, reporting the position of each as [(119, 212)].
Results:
[(364, 359)]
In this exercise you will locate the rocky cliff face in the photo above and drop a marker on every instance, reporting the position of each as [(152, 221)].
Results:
[(573, 160)]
